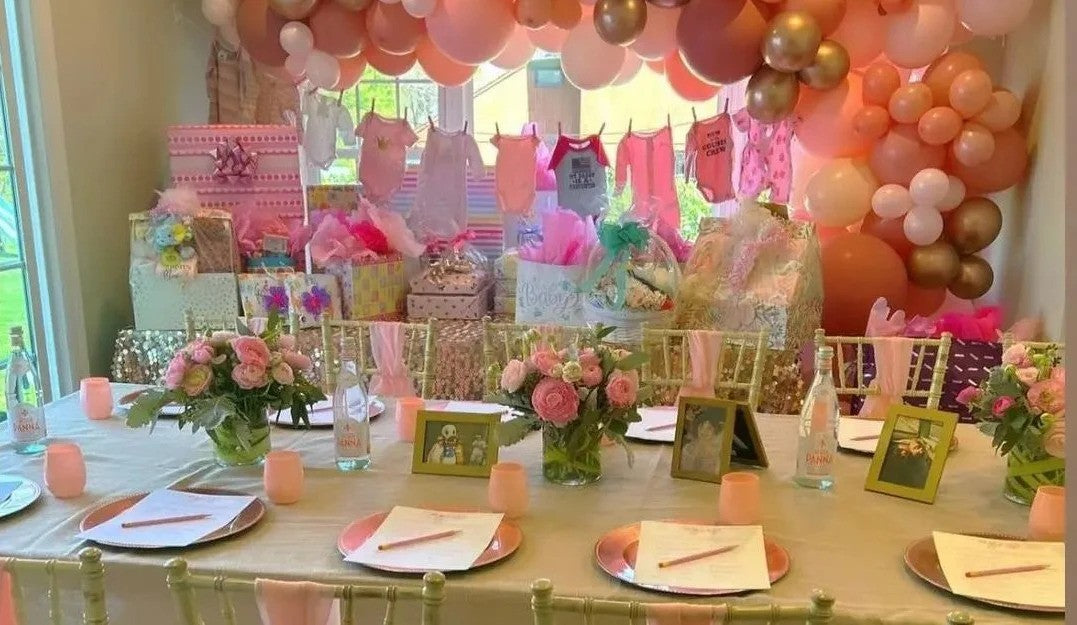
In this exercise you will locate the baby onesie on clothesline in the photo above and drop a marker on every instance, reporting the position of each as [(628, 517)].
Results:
[(381, 158), (325, 120), (649, 158), (580, 168), (766, 162), (708, 154), (514, 172), (441, 199)]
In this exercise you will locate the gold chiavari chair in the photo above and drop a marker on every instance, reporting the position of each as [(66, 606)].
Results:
[(740, 362), (91, 573), (420, 350), (931, 353), (183, 584), (501, 342)]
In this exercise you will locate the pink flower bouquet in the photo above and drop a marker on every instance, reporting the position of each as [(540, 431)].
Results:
[(227, 384), (576, 396)]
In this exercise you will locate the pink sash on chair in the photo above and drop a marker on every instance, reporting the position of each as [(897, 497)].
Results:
[(387, 346), (295, 603), (892, 357), (703, 349), (685, 614), (7, 599)]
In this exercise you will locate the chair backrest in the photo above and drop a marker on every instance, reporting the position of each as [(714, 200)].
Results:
[(1008, 340), (183, 584), (501, 342), (544, 605), (194, 326), (91, 574), (931, 353), (740, 362), (420, 350)]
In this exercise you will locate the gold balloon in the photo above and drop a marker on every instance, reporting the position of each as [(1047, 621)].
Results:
[(533, 14), (771, 95), (791, 41), (973, 225), (355, 5), (668, 4), (292, 9), (932, 266), (830, 67), (974, 278), (619, 22)]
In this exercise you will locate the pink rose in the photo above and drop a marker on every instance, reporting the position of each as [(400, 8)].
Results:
[(592, 375), (555, 401), (1016, 355), (283, 374), (200, 352), (544, 360), (1048, 395), (622, 388), (1054, 440), (197, 380), (297, 361), (968, 395), (512, 378), (251, 350), (286, 342), (1027, 375), (249, 376), (1059, 373), (588, 358), (1001, 405), (177, 369)]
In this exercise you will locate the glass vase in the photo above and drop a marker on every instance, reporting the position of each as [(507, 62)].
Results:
[(571, 456), (241, 440), (1029, 466)]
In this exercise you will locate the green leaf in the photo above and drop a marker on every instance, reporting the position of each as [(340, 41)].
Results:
[(632, 361), (515, 430), (618, 428), (147, 407), (620, 440), (244, 329), (601, 332), (211, 413)]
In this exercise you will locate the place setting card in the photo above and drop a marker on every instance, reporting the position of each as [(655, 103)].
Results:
[(416, 539), (701, 557), (1017, 572), (658, 424)]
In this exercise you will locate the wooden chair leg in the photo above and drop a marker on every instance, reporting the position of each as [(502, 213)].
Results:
[(542, 601), (433, 596), (92, 572)]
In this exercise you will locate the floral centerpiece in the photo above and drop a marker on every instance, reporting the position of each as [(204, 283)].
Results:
[(1022, 406), (576, 396), (227, 383)]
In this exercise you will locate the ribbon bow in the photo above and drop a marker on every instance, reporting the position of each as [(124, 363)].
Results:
[(748, 253), (460, 239), (618, 240), (232, 161)]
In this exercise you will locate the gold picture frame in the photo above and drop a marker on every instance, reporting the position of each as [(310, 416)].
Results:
[(704, 439), (455, 443), (911, 453)]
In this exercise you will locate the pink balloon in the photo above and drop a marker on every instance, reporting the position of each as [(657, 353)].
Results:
[(322, 70), (891, 201), (929, 187), (659, 36), (350, 71), (991, 17), (970, 93), (549, 38), (955, 194), (909, 103), (389, 64), (517, 52), (393, 29), (923, 225), (471, 31), (629, 68), (721, 41), (974, 145), (861, 33), (1004, 169), (871, 121), (881, 80), (826, 120), (1001, 112), (658, 67), (684, 83), (338, 31), (916, 36), (939, 125), (840, 193), (439, 67), (899, 155), (587, 60), (296, 39)]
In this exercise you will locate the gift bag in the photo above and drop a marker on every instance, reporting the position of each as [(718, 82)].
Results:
[(263, 293), (314, 297), (160, 301), (549, 294)]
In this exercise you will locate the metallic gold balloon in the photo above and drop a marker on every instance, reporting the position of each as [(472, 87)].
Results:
[(668, 4), (292, 9), (619, 22), (355, 5), (932, 266), (771, 95), (830, 67), (973, 225), (973, 279), (791, 41)]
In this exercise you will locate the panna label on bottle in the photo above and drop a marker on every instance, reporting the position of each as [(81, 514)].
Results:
[(819, 457), (27, 423)]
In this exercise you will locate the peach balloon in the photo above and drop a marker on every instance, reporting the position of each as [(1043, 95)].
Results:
[(939, 125), (338, 31), (828, 14), (872, 121), (893, 6), (439, 67), (923, 301), (533, 14), (471, 31), (566, 14), (1001, 112), (858, 269), (658, 67), (941, 73), (918, 35), (970, 92), (974, 145), (962, 35), (1004, 169), (890, 231), (684, 83), (826, 120), (806, 166), (881, 80), (350, 71), (389, 64), (587, 60), (861, 32), (909, 103), (517, 52), (659, 36), (629, 68), (839, 194), (899, 155), (259, 32), (549, 38), (734, 27), (393, 29)]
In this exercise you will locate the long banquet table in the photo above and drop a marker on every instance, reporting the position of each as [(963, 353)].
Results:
[(849, 541)]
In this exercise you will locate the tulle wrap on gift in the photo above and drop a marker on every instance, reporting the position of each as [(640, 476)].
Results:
[(681, 248), (566, 239), (373, 232), (252, 226), (983, 324)]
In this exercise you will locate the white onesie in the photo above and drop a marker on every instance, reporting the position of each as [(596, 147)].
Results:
[(325, 121), (441, 198)]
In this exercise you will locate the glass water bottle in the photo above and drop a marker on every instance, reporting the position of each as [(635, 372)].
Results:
[(351, 415), (817, 443), (25, 406)]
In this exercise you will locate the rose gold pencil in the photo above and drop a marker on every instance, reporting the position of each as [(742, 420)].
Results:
[(696, 556), (870, 437), (163, 521), (664, 426), (1006, 571), (417, 539)]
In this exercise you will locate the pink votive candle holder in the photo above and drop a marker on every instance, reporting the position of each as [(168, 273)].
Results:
[(407, 412), (738, 499), (65, 470), (1047, 517), (283, 476), (95, 397), (508, 489)]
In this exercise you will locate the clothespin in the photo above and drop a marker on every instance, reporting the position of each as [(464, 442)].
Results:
[(726, 109), (559, 133), (431, 121), (630, 125), (372, 102), (405, 114), (694, 118), (534, 130), (465, 126), (340, 97), (669, 122), (497, 130), (601, 128)]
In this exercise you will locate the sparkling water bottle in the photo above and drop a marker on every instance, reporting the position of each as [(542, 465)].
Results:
[(818, 435), (26, 412), (351, 416)]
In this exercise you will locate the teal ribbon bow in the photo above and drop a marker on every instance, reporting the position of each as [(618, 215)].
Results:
[(618, 241)]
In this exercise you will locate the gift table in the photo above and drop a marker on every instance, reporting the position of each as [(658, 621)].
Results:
[(849, 542)]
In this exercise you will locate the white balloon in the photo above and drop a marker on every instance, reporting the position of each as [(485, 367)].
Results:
[(629, 68), (955, 195), (922, 225), (323, 70), (419, 8), (297, 39), (220, 12), (230, 35), (296, 65), (587, 60), (891, 201), (929, 186)]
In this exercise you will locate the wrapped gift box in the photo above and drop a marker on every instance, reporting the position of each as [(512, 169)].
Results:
[(214, 241), (230, 165), (315, 296), (505, 305), (434, 282), (425, 305), (160, 302), (262, 293), (506, 265), (372, 289), (549, 294), (333, 197), (505, 288)]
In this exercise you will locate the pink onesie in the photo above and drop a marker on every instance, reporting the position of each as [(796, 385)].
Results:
[(649, 155), (381, 159), (708, 153), (514, 172), (766, 160)]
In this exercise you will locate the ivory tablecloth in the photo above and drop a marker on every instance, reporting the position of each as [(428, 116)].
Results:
[(849, 541)]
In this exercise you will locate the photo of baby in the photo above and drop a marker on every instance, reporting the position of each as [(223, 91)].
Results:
[(701, 440)]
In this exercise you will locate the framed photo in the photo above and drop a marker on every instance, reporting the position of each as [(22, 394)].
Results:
[(704, 439), (455, 443), (912, 452)]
